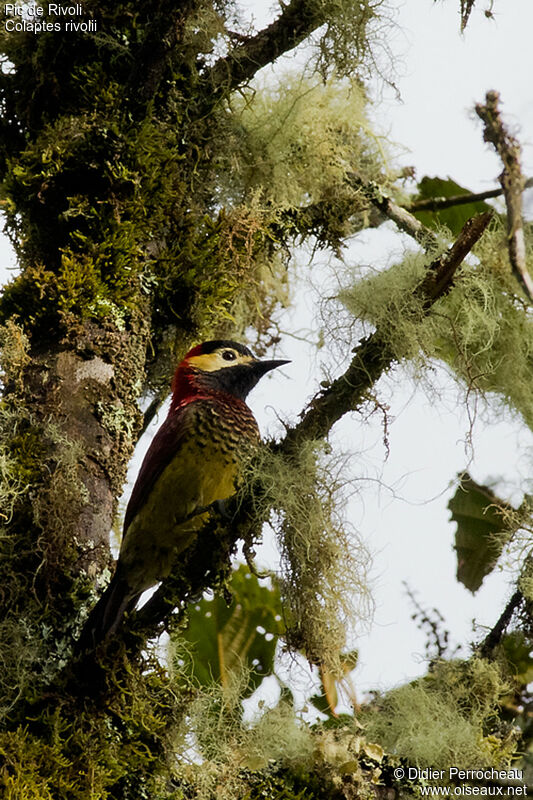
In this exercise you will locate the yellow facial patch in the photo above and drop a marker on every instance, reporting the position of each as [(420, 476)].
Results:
[(210, 362)]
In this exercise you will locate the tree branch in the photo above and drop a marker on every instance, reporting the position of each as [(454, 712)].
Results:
[(405, 221), (466, 8), (441, 272), (512, 182), (204, 562), (151, 412), (374, 356), (164, 33), (298, 19), (441, 203), (494, 637)]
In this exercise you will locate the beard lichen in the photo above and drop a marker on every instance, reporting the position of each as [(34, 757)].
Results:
[(323, 563), (36, 594), (482, 330), (448, 717), (225, 739), (295, 140)]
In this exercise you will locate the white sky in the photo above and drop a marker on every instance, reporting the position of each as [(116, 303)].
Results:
[(440, 76)]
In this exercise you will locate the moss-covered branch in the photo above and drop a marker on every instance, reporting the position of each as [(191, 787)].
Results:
[(372, 357), (151, 61), (403, 218), (153, 203), (297, 20), (494, 636)]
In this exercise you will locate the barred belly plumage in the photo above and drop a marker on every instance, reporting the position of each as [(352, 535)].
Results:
[(206, 469)]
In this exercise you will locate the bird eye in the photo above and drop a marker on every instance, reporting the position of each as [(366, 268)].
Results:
[(229, 355)]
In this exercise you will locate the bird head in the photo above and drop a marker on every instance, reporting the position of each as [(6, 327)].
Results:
[(219, 365)]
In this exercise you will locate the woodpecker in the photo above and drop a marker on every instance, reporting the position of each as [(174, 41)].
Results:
[(193, 461)]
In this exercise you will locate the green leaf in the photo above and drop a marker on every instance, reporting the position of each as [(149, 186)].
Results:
[(453, 218), (481, 530), (322, 704), (222, 639)]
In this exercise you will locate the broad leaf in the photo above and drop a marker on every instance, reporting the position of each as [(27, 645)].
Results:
[(221, 639), (481, 532), (453, 218)]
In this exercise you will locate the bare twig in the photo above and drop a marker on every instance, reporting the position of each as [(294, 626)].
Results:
[(494, 637), (441, 272), (512, 182), (431, 622), (151, 412), (466, 8), (442, 203)]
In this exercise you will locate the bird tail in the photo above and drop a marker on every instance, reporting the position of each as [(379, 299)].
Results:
[(107, 614)]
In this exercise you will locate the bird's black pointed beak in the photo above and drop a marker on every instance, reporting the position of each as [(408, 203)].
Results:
[(242, 378), (262, 367)]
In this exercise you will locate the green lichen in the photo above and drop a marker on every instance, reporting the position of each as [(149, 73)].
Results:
[(482, 329), (385, 300), (32, 563), (448, 717), (75, 752), (293, 143), (351, 37), (137, 232), (277, 754), (116, 419), (14, 355), (323, 581)]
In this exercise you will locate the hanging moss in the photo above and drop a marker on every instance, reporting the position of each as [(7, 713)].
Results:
[(230, 745), (448, 717), (485, 332), (14, 355), (351, 37), (31, 564), (276, 755), (129, 215), (323, 581), (387, 302), (294, 142), (482, 330)]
